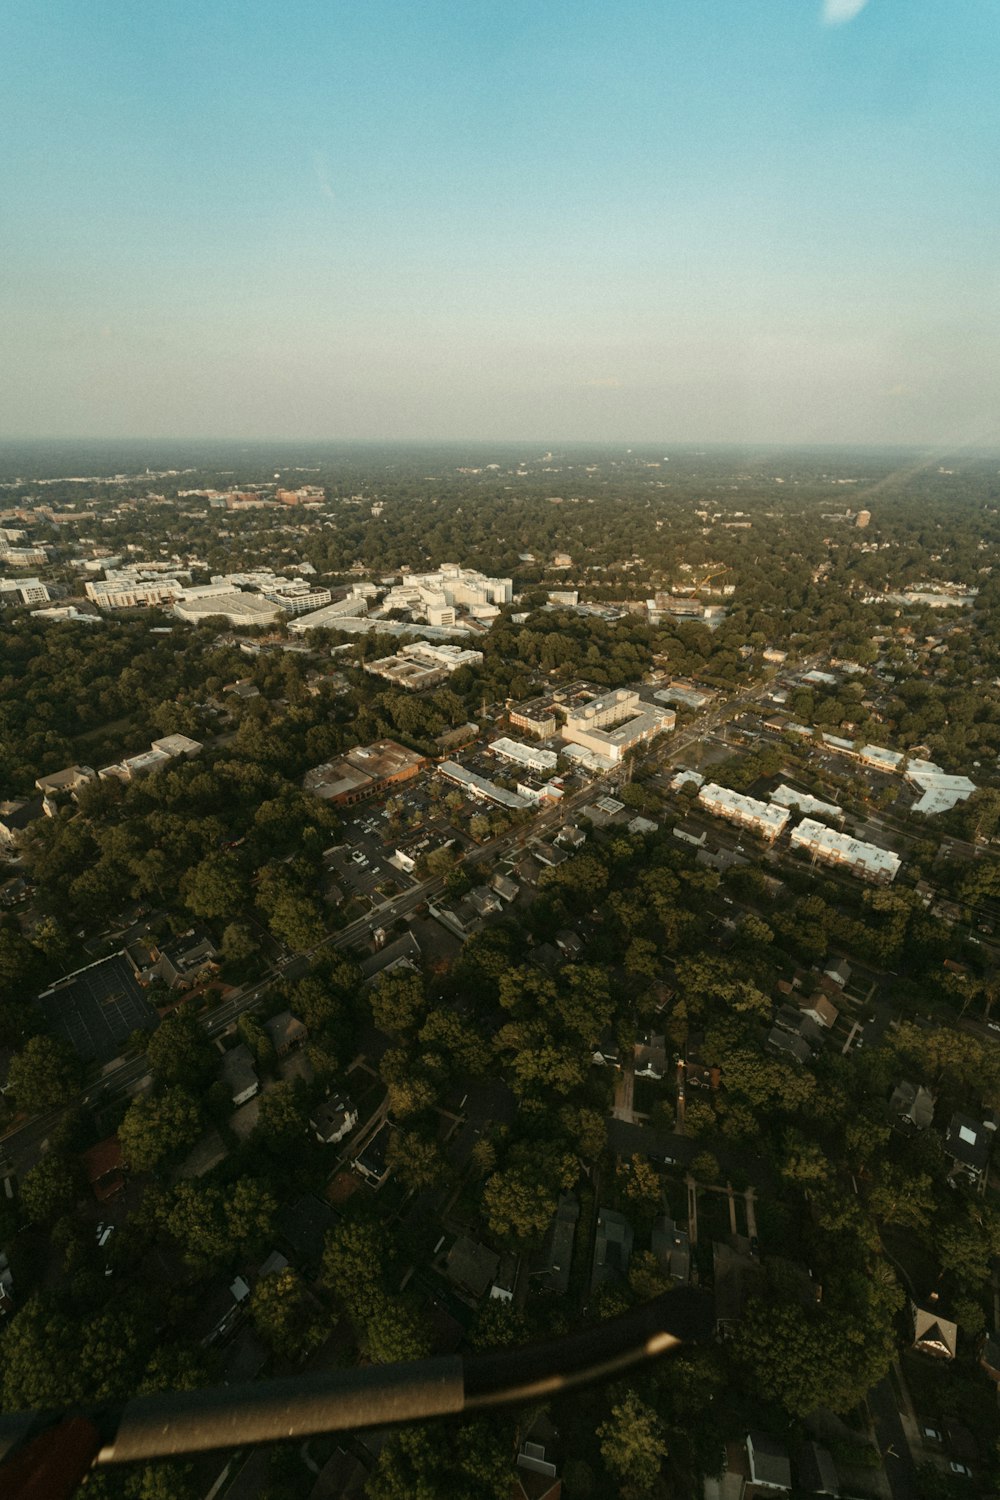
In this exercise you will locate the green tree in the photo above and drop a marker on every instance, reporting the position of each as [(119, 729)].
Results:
[(286, 1316), (45, 1074), (50, 1188), (633, 1445), (159, 1127), (180, 1052)]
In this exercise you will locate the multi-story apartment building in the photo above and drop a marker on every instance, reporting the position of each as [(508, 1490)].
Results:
[(748, 812)]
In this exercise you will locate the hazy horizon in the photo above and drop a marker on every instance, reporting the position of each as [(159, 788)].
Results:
[(763, 224)]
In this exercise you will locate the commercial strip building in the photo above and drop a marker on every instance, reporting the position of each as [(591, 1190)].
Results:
[(423, 664), (531, 756), (363, 772), (804, 802), (479, 786), (685, 694), (940, 792), (761, 817), (868, 861)]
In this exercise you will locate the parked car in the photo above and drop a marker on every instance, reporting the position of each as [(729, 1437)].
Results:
[(957, 1468)]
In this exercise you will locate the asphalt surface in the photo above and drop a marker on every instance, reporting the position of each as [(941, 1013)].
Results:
[(900, 1469)]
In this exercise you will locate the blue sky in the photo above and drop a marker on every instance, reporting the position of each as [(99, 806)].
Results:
[(704, 220)]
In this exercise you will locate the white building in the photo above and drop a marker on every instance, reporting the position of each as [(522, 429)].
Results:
[(480, 787), (868, 861), (131, 590), (786, 796), (297, 597), (423, 663), (940, 792), (530, 756), (615, 723), (236, 607), (761, 817), (437, 596), (23, 591), (330, 616)]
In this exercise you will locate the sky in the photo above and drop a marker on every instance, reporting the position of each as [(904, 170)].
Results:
[(677, 220)]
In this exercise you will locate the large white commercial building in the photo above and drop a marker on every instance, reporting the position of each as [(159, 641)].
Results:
[(438, 596), (760, 817), (220, 599), (295, 596), (133, 588), (531, 756), (615, 723), (866, 860)]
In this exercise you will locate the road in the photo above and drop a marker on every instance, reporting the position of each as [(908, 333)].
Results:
[(892, 1445)]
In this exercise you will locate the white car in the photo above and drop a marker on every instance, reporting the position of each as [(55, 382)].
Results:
[(957, 1468)]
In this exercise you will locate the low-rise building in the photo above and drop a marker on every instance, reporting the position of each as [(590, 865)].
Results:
[(868, 861), (333, 1119), (422, 664), (747, 812), (70, 780), (967, 1142), (363, 772), (479, 786), (804, 802), (531, 756)]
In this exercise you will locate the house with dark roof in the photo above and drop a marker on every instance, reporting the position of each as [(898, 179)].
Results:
[(967, 1142), (370, 1163), (791, 1046), (286, 1032), (334, 1118), (559, 1243), (770, 1466), (612, 1248), (239, 1073), (471, 1267), (16, 817), (672, 1248), (651, 1056)]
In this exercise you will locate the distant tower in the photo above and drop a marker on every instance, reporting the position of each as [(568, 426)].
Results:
[(864, 516)]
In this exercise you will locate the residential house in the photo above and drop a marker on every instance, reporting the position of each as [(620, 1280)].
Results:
[(770, 1466), (790, 1045), (187, 959), (559, 1244), (820, 1009), (569, 943), (672, 1248), (612, 1248), (607, 1053), (286, 1032), (333, 1119), (239, 1073), (15, 817), (736, 1276), (651, 1057), (795, 1021), (967, 1141), (104, 1168), (932, 1333), (505, 888), (370, 1163), (402, 953), (839, 970), (911, 1106), (70, 780), (471, 1267), (483, 901)]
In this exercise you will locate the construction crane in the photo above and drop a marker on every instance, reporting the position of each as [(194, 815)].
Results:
[(694, 587)]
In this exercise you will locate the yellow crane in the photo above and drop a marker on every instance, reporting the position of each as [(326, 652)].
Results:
[(694, 587)]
